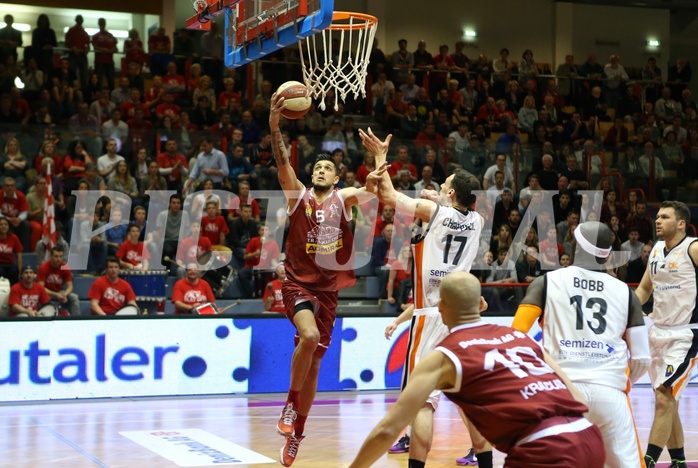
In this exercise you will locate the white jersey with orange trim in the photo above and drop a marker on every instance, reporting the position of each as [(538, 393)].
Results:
[(450, 244), (675, 281), (585, 317)]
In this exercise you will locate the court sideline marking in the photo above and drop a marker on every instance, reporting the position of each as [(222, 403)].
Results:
[(69, 443)]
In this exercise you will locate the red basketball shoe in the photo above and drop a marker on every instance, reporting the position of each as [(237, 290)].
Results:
[(286, 420), (288, 453)]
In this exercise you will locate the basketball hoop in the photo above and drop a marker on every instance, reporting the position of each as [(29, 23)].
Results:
[(324, 70)]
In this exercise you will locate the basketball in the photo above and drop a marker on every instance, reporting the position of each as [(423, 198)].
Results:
[(296, 99)]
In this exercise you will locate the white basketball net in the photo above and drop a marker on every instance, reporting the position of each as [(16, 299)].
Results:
[(343, 73)]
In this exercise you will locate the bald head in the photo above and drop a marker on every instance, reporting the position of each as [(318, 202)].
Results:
[(460, 298)]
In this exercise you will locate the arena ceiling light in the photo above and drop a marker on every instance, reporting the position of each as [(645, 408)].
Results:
[(118, 33), (24, 27)]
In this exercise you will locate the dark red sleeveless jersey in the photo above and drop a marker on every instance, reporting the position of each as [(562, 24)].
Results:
[(319, 245), (504, 385)]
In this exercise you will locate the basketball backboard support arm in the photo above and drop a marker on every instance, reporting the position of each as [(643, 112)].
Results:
[(206, 10), (249, 37)]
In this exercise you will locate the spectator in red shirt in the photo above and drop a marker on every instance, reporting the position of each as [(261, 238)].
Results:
[(429, 138), (160, 49), (168, 107), (616, 139), (55, 275), (109, 293), (402, 163), (20, 106), (243, 199), (77, 41), (396, 109), (400, 270), (262, 253), (155, 95), (104, 44), (128, 108), (222, 129), (388, 217), (213, 225), (488, 115), (133, 48), (228, 93), (10, 253), (27, 296), (141, 132), (14, 207), (173, 165), (550, 250), (444, 64), (191, 291), (273, 299), (131, 253), (190, 250), (173, 82)]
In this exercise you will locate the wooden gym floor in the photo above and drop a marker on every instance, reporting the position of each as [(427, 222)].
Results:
[(86, 433)]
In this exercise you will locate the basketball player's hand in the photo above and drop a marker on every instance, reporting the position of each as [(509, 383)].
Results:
[(374, 179), (432, 195), (375, 146), (389, 330)]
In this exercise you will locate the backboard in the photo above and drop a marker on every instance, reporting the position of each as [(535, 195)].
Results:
[(255, 28)]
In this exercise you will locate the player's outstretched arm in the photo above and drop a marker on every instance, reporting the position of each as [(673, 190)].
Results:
[(644, 289), (638, 340), (435, 371), (403, 317), (290, 184), (531, 308), (416, 208)]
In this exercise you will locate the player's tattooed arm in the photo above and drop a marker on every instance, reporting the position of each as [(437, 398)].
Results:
[(287, 177), (417, 208), (279, 148)]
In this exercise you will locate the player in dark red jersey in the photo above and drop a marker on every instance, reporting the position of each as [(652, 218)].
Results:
[(514, 394), (319, 262)]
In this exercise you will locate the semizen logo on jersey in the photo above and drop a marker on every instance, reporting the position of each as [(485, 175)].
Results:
[(585, 344)]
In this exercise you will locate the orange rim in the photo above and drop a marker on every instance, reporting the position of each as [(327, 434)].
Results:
[(368, 21)]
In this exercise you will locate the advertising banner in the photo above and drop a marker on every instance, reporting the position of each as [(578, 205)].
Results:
[(67, 359)]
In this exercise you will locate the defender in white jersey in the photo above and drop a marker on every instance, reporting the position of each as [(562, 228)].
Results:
[(449, 243), (590, 320), (671, 278)]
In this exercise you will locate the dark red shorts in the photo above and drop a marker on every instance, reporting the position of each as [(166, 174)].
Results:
[(324, 306), (584, 448)]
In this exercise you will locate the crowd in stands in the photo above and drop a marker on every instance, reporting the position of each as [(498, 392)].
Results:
[(176, 119)]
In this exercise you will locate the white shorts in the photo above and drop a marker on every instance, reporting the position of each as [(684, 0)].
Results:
[(673, 357), (610, 410), (426, 331)]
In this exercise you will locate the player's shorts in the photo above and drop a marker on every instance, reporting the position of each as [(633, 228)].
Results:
[(426, 331), (610, 410), (324, 305), (674, 358), (571, 442)]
